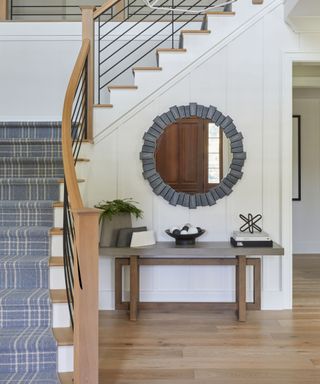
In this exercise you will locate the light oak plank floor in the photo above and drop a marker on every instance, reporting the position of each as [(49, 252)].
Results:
[(272, 347)]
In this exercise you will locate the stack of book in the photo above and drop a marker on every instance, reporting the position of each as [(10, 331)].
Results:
[(256, 239)]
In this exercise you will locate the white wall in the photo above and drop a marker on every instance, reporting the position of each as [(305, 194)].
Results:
[(306, 213), (36, 61), (244, 80)]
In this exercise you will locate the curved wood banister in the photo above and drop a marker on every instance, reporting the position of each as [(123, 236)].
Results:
[(68, 160), (80, 230), (3, 10), (104, 7)]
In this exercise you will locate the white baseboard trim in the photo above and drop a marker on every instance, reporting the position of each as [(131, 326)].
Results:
[(273, 300)]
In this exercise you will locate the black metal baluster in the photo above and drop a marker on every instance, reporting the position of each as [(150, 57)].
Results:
[(99, 40), (172, 23)]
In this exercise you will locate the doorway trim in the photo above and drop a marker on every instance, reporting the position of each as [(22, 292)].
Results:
[(289, 58)]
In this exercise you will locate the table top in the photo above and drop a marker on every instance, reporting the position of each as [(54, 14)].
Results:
[(201, 248)]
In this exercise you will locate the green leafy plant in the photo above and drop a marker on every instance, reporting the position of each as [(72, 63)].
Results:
[(114, 207)]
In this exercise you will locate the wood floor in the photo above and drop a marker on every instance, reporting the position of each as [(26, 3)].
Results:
[(272, 347)]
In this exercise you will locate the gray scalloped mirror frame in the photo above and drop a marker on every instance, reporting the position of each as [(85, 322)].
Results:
[(147, 156)]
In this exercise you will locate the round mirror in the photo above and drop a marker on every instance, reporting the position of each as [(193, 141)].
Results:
[(186, 155)]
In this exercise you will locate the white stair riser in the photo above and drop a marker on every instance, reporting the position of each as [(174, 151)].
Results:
[(82, 168), (219, 25), (60, 315), (56, 245), (57, 280), (65, 358), (119, 94), (147, 78), (176, 59), (198, 44), (61, 192), (58, 217)]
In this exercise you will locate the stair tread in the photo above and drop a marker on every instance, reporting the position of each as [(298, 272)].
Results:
[(122, 87), (23, 261), (42, 377), (23, 296), (34, 180), (27, 141), (58, 204), (24, 231), (61, 181), (221, 13), (30, 159), (66, 377), (103, 105), (23, 204), (56, 231), (147, 68), (171, 50), (30, 124), (196, 31), (56, 261), (58, 295), (27, 338), (64, 336)]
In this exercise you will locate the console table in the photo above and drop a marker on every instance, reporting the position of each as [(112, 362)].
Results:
[(202, 253)]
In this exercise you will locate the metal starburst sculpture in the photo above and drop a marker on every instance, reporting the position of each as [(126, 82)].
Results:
[(153, 5), (250, 223)]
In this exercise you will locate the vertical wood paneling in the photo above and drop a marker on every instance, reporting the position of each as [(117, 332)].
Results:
[(243, 83), (244, 104)]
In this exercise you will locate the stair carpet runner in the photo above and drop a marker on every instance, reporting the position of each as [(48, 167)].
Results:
[(30, 168)]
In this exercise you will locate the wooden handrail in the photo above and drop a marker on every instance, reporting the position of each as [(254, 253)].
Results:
[(68, 160), (99, 11), (85, 246), (3, 10)]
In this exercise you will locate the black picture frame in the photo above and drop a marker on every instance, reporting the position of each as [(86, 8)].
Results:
[(296, 158)]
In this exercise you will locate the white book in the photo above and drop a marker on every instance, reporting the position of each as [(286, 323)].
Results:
[(247, 236)]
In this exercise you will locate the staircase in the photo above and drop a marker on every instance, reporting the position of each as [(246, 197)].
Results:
[(181, 50), (36, 341), (30, 178)]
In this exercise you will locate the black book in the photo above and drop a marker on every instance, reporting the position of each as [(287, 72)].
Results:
[(251, 243)]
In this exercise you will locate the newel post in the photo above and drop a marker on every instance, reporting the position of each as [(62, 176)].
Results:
[(4, 10), (88, 33), (86, 323)]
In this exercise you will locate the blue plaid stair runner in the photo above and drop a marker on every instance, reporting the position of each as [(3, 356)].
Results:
[(30, 170)]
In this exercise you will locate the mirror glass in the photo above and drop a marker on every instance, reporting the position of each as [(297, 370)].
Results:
[(192, 155)]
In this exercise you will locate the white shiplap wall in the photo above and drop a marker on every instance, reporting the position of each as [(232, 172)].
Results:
[(249, 79), (244, 80)]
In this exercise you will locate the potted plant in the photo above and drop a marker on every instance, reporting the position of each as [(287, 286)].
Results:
[(114, 215)]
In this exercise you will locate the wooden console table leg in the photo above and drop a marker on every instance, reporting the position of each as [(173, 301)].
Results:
[(118, 283), (241, 288), (134, 287), (257, 283)]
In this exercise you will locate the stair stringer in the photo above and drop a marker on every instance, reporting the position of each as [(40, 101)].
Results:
[(177, 66)]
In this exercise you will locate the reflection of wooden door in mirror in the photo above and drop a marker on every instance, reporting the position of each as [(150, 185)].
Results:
[(180, 155)]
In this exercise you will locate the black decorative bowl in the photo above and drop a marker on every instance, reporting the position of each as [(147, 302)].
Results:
[(189, 239)]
